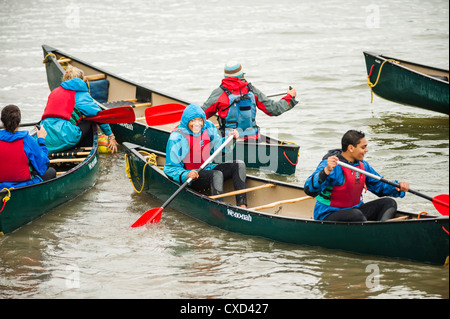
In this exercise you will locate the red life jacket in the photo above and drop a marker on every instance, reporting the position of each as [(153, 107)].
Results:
[(349, 194), (13, 162), (199, 150), (60, 104)]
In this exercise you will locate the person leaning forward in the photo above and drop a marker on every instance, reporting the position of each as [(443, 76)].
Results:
[(338, 189), (64, 112), (23, 159), (235, 102), (190, 145)]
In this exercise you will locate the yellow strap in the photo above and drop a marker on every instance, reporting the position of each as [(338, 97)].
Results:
[(370, 84)]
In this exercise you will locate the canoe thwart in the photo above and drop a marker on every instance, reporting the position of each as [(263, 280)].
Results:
[(242, 191), (94, 77), (66, 160), (281, 202)]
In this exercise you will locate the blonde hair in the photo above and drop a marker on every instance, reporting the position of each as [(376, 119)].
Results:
[(73, 72)]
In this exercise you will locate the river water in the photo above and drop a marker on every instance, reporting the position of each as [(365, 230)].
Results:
[(86, 249)]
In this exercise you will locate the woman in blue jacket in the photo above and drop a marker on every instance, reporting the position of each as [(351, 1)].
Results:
[(23, 159), (66, 106), (338, 189), (190, 145)]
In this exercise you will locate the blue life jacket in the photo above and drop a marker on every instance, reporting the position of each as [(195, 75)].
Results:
[(241, 115)]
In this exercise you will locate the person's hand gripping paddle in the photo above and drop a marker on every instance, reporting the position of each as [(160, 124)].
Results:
[(154, 215)]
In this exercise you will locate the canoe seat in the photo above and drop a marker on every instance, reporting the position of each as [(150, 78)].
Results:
[(440, 77), (98, 87)]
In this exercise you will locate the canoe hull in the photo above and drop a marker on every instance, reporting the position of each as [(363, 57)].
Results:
[(401, 82), (421, 240), (277, 156), (31, 202)]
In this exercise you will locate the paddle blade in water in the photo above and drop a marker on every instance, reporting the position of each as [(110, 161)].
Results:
[(441, 203), (151, 216)]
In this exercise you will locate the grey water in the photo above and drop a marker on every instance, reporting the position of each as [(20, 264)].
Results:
[(85, 249)]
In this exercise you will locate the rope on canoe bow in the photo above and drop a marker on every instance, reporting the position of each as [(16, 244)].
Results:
[(370, 84), (6, 198), (151, 159), (285, 155)]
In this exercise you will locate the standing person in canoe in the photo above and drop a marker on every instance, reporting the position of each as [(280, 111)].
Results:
[(235, 102), (338, 189), (23, 159), (192, 143), (63, 115)]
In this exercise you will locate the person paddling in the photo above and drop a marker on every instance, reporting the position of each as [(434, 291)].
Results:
[(23, 159), (190, 144), (235, 102), (338, 189), (64, 112)]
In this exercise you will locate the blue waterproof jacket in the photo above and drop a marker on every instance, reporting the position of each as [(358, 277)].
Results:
[(36, 152), (178, 145), (319, 181), (61, 134)]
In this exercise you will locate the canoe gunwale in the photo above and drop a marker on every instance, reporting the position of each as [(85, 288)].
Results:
[(387, 59)]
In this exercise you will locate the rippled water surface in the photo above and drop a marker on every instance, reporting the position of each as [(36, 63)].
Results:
[(85, 248)]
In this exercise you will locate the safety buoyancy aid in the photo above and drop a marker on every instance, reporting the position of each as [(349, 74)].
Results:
[(199, 150), (61, 104), (241, 114), (347, 194), (13, 162)]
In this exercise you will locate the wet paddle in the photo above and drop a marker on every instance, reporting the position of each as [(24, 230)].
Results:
[(164, 114), (439, 201), (120, 114), (154, 215)]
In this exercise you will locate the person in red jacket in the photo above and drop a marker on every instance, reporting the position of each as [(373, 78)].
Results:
[(23, 159), (235, 102)]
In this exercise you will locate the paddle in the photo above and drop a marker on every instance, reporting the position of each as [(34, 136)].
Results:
[(120, 114), (154, 215), (440, 201), (164, 114)]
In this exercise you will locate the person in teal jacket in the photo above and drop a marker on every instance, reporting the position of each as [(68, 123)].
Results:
[(190, 145), (338, 190), (66, 107)]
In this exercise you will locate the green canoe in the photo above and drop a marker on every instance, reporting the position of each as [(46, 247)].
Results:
[(283, 212), (408, 83), (110, 90), (77, 172)]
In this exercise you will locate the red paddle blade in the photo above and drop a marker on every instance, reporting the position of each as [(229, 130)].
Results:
[(441, 204), (150, 216), (164, 114), (120, 114)]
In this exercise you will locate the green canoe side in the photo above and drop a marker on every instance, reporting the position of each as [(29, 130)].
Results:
[(31, 202), (405, 86), (416, 240)]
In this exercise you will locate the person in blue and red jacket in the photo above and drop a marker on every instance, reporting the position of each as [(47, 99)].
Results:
[(64, 112), (338, 189), (235, 102), (190, 145), (23, 159)]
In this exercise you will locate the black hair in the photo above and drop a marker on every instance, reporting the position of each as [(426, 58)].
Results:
[(352, 137), (11, 117)]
